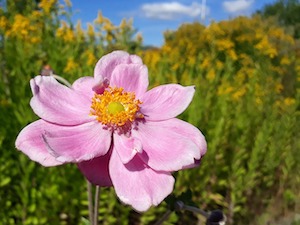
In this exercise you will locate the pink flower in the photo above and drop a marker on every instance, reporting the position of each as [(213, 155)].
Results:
[(117, 132)]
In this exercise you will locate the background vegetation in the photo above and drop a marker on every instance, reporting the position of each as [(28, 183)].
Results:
[(246, 72)]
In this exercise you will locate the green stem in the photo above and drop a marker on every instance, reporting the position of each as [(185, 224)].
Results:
[(164, 217), (96, 206), (61, 79), (90, 200)]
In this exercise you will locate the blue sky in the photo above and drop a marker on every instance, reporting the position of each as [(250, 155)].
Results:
[(153, 17)]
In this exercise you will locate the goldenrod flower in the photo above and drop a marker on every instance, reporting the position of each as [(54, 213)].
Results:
[(289, 101), (91, 31), (71, 66), (47, 5), (99, 19), (91, 59), (3, 22), (278, 88), (65, 32), (211, 74), (239, 93), (78, 29)]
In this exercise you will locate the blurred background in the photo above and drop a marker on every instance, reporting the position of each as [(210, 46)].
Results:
[(242, 56)]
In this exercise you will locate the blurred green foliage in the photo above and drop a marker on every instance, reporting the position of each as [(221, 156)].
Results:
[(246, 72), (286, 12)]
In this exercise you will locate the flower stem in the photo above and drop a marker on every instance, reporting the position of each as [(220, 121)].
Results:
[(90, 200), (179, 205), (61, 79), (164, 217), (96, 206)]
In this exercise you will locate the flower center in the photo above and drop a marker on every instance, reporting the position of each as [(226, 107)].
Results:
[(116, 107)]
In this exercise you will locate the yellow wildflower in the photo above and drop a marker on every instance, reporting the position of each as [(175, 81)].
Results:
[(289, 101), (279, 33), (69, 35), (219, 65), (99, 19), (152, 58), (91, 31), (206, 63), (245, 60), (108, 26), (240, 76), (266, 47), (3, 23), (258, 101), (65, 32), (35, 40), (166, 48), (71, 66), (285, 61), (175, 66), (20, 27), (215, 28), (191, 60), (123, 24), (223, 44), (263, 43), (211, 74), (224, 89), (278, 88), (91, 59), (271, 52), (239, 93), (36, 14), (232, 55), (46, 5), (78, 29)]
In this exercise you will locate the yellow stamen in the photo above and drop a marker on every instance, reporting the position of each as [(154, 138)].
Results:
[(115, 107)]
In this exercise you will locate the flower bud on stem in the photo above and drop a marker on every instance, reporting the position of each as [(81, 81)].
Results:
[(216, 217)]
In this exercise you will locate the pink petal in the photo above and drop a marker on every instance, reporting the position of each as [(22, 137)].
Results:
[(135, 59), (96, 170), (132, 77), (166, 101), (57, 103), (138, 185), (170, 145), (31, 143), (84, 86), (78, 143), (106, 65), (126, 147), (191, 132)]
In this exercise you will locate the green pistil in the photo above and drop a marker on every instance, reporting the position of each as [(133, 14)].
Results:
[(115, 107)]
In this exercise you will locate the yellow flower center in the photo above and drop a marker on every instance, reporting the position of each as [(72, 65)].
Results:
[(115, 107)]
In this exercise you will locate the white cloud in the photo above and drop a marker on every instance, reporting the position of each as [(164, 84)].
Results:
[(237, 6), (171, 10)]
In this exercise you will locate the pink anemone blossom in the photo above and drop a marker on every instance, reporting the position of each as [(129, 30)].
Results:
[(118, 133)]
